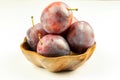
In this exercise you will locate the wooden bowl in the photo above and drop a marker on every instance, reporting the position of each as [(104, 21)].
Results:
[(55, 64)]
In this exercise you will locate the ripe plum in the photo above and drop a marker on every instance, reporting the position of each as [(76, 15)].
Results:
[(80, 36), (32, 35), (56, 17), (53, 46)]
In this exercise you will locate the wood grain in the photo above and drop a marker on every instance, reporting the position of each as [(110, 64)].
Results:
[(56, 64)]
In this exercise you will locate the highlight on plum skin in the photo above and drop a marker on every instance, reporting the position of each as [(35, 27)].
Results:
[(53, 46), (32, 35), (80, 36), (56, 18)]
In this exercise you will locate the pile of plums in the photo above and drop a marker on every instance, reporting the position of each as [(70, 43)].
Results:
[(59, 32)]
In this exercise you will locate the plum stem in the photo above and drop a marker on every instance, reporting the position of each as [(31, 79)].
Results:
[(72, 9), (39, 38), (32, 20)]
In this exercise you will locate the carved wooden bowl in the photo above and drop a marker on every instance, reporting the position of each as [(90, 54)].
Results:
[(55, 64)]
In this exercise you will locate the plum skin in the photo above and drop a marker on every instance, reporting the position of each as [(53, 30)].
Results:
[(66, 31), (80, 36), (53, 46), (56, 18), (32, 35)]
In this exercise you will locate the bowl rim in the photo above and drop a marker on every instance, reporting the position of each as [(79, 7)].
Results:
[(26, 51)]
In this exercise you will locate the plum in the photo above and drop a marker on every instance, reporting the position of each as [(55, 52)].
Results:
[(53, 46), (66, 31), (56, 17), (74, 20), (80, 36), (32, 35)]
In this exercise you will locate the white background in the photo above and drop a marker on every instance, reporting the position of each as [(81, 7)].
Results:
[(104, 17)]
